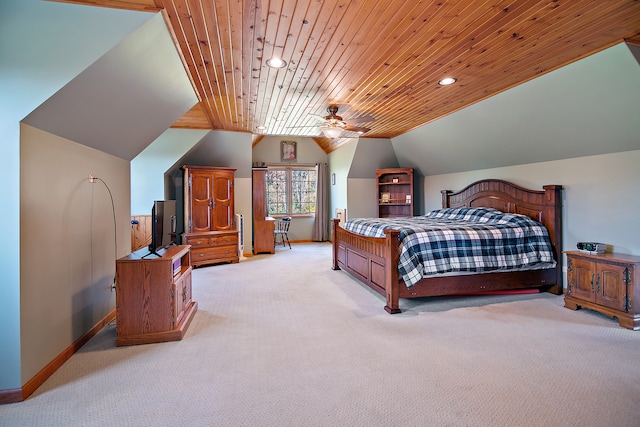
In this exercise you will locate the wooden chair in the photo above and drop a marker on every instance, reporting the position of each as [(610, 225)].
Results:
[(282, 230)]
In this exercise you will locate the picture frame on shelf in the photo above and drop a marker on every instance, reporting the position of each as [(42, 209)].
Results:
[(408, 199), (385, 197)]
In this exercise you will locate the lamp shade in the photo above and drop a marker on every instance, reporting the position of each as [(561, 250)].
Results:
[(332, 132)]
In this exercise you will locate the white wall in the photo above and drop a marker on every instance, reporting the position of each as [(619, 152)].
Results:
[(339, 164), (43, 45), (355, 167), (586, 108), (125, 99), (372, 154), (68, 242), (363, 202), (268, 151), (148, 167)]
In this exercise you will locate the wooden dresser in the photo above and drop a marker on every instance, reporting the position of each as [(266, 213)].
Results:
[(209, 215), (210, 247), (153, 296), (605, 283)]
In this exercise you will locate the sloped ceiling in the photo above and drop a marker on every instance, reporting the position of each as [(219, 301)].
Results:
[(372, 154), (586, 108), (126, 99)]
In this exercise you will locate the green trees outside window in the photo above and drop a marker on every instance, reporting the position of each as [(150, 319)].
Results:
[(291, 190)]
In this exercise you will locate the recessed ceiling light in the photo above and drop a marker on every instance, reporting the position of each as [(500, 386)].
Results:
[(261, 128), (447, 81), (276, 62)]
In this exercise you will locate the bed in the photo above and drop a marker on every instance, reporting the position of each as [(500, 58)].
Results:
[(374, 260)]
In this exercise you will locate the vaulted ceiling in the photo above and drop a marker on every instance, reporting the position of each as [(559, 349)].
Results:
[(380, 59)]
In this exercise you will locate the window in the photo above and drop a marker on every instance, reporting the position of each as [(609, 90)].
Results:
[(291, 190)]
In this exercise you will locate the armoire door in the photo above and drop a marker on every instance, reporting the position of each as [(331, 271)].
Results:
[(201, 185), (222, 214)]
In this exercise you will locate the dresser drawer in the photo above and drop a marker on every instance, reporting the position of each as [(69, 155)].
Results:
[(225, 240), (199, 242), (213, 253), (213, 247), (212, 240)]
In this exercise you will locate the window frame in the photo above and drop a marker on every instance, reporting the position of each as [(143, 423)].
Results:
[(288, 196)]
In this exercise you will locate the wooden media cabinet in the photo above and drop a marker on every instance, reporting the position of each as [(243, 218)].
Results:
[(153, 296)]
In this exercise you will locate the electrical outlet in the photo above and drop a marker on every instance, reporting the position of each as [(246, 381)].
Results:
[(113, 287), (92, 178)]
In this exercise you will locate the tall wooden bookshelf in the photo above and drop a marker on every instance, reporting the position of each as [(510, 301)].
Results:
[(263, 225), (395, 192)]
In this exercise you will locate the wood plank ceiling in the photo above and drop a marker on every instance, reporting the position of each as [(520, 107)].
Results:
[(378, 58)]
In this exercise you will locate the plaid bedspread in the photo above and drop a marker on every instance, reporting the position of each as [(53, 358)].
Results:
[(463, 240)]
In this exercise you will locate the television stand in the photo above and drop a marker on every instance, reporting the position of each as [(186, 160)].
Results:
[(153, 296)]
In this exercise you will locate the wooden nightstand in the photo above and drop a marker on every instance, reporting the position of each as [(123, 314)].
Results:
[(605, 283)]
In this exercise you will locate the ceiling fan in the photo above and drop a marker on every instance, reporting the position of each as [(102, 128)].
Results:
[(334, 126)]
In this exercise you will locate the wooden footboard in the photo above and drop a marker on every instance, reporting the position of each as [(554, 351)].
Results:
[(372, 260)]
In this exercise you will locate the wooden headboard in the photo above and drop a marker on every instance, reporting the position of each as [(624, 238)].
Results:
[(544, 206)]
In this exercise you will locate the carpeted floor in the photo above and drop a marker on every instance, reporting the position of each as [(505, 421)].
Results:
[(283, 340)]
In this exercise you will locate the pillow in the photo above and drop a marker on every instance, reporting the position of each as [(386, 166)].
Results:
[(467, 214)]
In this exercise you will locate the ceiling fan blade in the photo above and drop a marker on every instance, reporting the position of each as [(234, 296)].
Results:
[(317, 117), (357, 129), (363, 119)]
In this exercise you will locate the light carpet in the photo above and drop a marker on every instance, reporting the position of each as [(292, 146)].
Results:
[(283, 340)]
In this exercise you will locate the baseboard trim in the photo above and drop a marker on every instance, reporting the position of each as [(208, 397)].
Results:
[(21, 394), (12, 395), (250, 254)]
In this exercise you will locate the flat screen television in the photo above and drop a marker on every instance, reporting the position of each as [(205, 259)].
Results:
[(163, 225)]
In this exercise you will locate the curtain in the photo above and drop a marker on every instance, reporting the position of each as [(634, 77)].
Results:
[(321, 223)]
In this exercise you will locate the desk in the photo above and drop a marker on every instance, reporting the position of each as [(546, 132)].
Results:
[(263, 237)]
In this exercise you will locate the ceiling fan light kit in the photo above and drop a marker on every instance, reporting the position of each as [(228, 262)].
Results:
[(332, 132), (335, 126)]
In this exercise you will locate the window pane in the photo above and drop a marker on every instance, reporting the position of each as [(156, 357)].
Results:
[(291, 190), (303, 191), (276, 191)]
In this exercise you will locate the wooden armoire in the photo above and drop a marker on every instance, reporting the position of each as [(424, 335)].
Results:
[(209, 215)]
